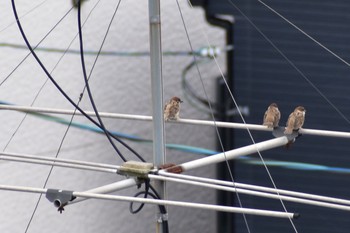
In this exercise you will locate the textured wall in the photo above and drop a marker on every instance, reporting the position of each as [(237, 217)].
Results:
[(119, 84)]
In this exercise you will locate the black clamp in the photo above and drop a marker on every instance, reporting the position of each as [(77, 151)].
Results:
[(60, 198)]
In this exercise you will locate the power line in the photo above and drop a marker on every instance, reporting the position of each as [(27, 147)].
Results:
[(201, 52), (303, 32), (58, 87), (87, 86)]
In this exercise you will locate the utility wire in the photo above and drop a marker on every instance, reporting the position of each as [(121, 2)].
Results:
[(28, 12), (48, 176), (87, 86), (43, 85), (70, 123), (47, 34), (250, 135), (291, 63), (212, 112), (306, 34), (61, 143), (198, 52), (294, 66), (64, 136), (191, 95), (56, 84)]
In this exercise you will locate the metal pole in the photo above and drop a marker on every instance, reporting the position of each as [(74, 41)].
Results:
[(157, 96)]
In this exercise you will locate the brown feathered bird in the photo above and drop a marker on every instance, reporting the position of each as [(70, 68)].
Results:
[(272, 116), (172, 109), (295, 120)]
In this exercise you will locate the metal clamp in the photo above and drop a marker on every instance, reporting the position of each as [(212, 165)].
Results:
[(60, 198), (136, 169)]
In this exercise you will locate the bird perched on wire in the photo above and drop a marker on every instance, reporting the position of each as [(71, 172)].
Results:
[(272, 116), (295, 120), (172, 109)]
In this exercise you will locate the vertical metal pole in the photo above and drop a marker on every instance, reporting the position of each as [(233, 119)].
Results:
[(157, 95)]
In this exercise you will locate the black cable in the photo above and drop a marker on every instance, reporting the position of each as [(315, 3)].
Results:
[(60, 89), (146, 192), (155, 195), (189, 88), (87, 83), (88, 78)]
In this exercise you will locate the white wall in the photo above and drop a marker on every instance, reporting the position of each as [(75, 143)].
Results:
[(119, 84)]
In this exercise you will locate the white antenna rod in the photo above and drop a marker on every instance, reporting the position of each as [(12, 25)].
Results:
[(325, 133), (58, 164), (232, 154), (157, 98), (162, 174), (109, 188), (255, 187), (254, 193), (52, 159), (86, 195)]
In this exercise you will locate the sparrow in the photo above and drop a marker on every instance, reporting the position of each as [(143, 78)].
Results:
[(295, 120), (272, 116), (172, 109)]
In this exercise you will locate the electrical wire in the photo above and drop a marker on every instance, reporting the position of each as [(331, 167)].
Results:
[(240, 113), (86, 78), (155, 195), (69, 123), (47, 34), (48, 177), (146, 193), (43, 85), (27, 13), (65, 134), (212, 113), (291, 63), (306, 34), (58, 87), (110, 53), (191, 95)]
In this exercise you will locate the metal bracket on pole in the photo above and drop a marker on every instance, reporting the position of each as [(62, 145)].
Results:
[(135, 168), (60, 198)]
